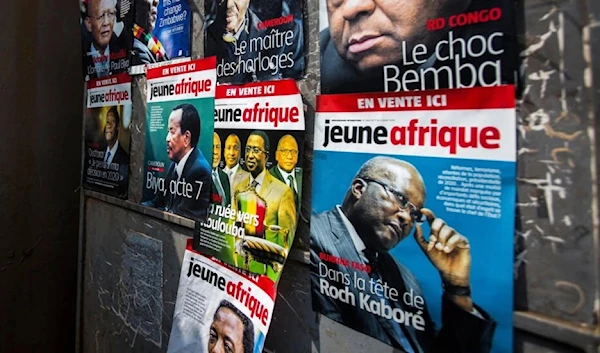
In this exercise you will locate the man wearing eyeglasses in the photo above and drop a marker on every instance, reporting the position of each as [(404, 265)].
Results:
[(281, 210), (285, 170), (99, 20), (383, 204)]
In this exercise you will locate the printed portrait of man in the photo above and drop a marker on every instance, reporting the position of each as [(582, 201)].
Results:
[(286, 156), (230, 331), (99, 20), (221, 191), (281, 210), (384, 203), (365, 36), (147, 48), (188, 179), (114, 152), (233, 22), (232, 155)]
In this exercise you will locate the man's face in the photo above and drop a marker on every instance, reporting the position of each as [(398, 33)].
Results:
[(369, 33), (287, 153), (111, 129), (256, 157), (178, 143), (226, 333), (232, 151), (100, 21), (236, 12), (216, 150), (146, 13), (377, 212)]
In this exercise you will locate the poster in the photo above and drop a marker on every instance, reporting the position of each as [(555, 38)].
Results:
[(255, 40), (105, 36), (161, 31), (413, 217), (259, 137), (416, 45), (219, 308), (179, 128), (107, 135)]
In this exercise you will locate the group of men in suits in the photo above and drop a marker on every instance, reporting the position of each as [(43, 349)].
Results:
[(279, 186), (225, 179)]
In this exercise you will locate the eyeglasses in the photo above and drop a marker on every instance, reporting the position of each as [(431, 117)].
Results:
[(108, 14), (288, 152), (254, 150), (400, 199)]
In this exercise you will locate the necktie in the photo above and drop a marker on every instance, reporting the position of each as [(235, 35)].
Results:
[(219, 187), (107, 156), (292, 185), (253, 184)]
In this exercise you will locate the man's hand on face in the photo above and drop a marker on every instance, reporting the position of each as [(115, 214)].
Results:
[(450, 253), (448, 250)]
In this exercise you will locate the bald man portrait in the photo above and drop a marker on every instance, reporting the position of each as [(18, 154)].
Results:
[(384, 203), (188, 179), (286, 156), (102, 47)]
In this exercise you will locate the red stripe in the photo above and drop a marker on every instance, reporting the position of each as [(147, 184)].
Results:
[(209, 63), (108, 81), (264, 282), (464, 98), (258, 89)]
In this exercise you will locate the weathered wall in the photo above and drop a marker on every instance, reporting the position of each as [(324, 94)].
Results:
[(40, 153), (557, 249)]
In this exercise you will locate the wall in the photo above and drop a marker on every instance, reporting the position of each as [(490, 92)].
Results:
[(40, 152), (557, 242)]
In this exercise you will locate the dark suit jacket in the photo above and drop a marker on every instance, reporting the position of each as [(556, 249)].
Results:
[(461, 332), (88, 62), (216, 197), (122, 158), (196, 171), (298, 176), (141, 54)]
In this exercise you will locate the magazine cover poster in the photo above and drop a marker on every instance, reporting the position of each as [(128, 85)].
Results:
[(161, 31), (107, 135), (257, 170), (179, 129), (413, 217), (105, 36), (416, 45), (255, 40), (219, 308)]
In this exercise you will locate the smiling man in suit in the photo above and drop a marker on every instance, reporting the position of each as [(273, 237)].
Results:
[(286, 156), (280, 207), (382, 206)]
